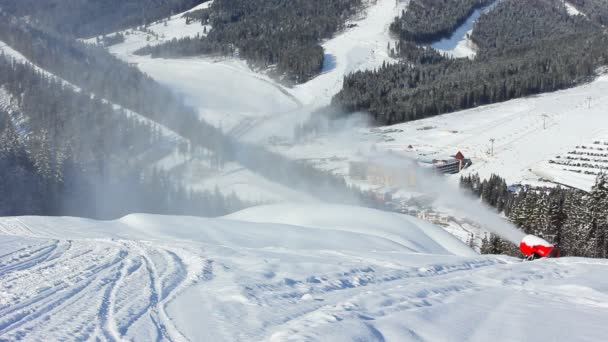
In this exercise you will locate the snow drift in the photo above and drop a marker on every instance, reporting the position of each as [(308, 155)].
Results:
[(413, 234)]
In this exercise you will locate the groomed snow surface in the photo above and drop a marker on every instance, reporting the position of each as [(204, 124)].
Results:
[(298, 274)]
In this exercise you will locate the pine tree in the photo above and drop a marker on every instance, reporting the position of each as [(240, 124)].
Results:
[(598, 206)]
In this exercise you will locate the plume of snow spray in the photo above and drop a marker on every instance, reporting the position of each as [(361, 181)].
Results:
[(447, 195), (412, 177)]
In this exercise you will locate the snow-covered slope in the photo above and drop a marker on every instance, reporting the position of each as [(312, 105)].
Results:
[(229, 94), (225, 92), (362, 47), (173, 27), (527, 133), (147, 277), (169, 135), (252, 107), (410, 232), (194, 170)]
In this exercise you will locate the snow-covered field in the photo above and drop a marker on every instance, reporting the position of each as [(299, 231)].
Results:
[(527, 132), (300, 275), (225, 92)]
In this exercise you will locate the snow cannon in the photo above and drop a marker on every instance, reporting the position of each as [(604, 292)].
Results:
[(534, 247)]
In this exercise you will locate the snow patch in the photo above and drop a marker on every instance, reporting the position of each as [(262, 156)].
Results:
[(572, 10)]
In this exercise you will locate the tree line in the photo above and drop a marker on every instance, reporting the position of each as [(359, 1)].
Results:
[(96, 71), (526, 48), (64, 152), (574, 220), (87, 18), (426, 21), (281, 35), (595, 10), (517, 24)]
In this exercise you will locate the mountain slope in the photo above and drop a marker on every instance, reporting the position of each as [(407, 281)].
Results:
[(149, 277)]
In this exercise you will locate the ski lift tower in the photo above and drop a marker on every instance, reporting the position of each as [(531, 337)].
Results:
[(545, 116)]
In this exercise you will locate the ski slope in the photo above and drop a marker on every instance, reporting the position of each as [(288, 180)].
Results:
[(225, 92), (296, 275), (230, 95), (192, 170), (173, 27), (362, 47), (527, 133), (247, 104)]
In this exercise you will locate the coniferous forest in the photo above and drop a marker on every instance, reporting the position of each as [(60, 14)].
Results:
[(64, 152), (524, 48), (426, 21), (96, 71), (284, 34), (596, 10), (574, 220), (89, 18)]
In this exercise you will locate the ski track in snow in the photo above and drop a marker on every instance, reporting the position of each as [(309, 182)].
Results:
[(145, 286), (88, 289), (164, 288)]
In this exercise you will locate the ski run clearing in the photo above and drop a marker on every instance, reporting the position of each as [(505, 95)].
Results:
[(298, 274)]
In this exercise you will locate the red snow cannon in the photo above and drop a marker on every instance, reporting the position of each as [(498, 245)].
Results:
[(534, 247)]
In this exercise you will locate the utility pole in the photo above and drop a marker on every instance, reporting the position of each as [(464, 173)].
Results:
[(545, 116), (492, 146), (589, 99)]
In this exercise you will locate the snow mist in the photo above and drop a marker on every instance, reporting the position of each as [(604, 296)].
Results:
[(448, 195), (417, 179)]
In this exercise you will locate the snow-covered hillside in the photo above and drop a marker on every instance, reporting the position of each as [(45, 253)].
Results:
[(250, 106), (169, 135), (192, 170), (303, 276), (229, 94), (527, 132), (173, 27)]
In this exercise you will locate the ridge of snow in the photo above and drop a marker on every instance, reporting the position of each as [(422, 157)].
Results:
[(151, 277), (408, 231)]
